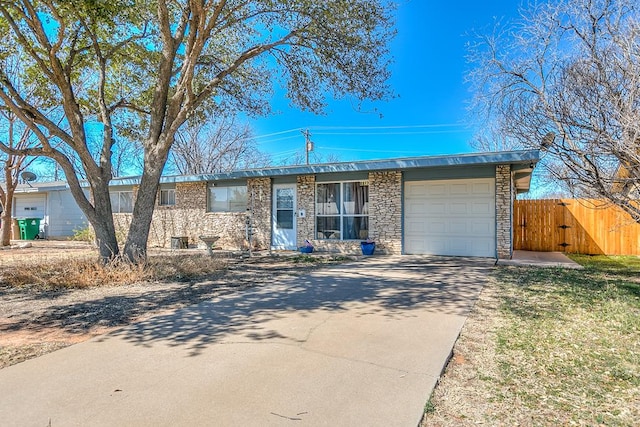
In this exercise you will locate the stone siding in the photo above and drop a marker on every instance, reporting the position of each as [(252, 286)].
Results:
[(385, 211), (306, 199), (504, 209), (121, 222), (189, 218), (260, 205)]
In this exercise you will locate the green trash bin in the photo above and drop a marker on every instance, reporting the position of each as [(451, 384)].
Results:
[(29, 228)]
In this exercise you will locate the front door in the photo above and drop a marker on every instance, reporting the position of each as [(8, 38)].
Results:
[(284, 218)]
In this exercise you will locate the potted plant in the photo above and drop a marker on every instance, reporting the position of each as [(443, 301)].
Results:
[(368, 246), (307, 248)]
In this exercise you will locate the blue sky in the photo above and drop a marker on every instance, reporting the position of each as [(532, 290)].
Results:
[(428, 116)]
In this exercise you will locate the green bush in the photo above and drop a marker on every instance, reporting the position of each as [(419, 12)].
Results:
[(83, 235)]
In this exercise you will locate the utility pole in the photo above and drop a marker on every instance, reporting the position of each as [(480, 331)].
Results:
[(308, 142)]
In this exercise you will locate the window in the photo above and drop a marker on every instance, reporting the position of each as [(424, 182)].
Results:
[(342, 210), (167, 197), (227, 198), (122, 201)]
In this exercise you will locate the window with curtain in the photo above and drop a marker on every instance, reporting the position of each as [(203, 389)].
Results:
[(342, 210)]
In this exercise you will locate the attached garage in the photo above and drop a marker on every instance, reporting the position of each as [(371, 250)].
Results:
[(452, 205), (450, 217)]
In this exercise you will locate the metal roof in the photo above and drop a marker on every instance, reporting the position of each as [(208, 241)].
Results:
[(40, 187), (522, 157), (522, 163)]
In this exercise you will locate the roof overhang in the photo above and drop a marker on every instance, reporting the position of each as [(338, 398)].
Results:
[(41, 187), (522, 163), (522, 177)]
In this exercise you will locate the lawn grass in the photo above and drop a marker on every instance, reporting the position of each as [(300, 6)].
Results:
[(558, 347)]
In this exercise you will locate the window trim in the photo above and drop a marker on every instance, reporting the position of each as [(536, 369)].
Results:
[(118, 209), (210, 189), (341, 211), (168, 192)]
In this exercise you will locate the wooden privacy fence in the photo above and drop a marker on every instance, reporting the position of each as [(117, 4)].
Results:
[(574, 226)]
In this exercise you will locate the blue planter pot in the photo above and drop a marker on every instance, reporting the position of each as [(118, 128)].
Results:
[(368, 248)]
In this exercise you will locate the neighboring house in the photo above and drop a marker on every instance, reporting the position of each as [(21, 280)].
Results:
[(457, 205), (51, 202)]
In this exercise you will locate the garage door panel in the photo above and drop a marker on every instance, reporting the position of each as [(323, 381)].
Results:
[(457, 227), (458, 245), (418, 225), (459, 208), (481, 248), (442, 207), (435, 227), (415, 191), (483, 189), (482, 208), (417, 208), (448, 227), (416, 246), (450, 217), (435, 190), (434, 208), (449, 245), (459, 189), (482, 229), (433, 246)]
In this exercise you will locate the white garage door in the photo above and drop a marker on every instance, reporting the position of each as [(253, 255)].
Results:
[(450, 217), (29, 205)]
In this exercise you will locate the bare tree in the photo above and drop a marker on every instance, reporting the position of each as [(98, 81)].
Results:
[(17, 136), (213, 146), (13, 166), (300, 158), (566, 78), (142, 68)]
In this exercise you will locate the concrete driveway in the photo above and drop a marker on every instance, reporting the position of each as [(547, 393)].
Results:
[(357, 344)]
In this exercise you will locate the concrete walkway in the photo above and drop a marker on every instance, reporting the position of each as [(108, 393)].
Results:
[(541, 259), (358, 344)]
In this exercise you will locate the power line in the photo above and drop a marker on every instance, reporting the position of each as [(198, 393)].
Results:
[(441, 125), (276, 133), (370, 151), (321, 128), (276, 140), (435, 132), (285, 153)]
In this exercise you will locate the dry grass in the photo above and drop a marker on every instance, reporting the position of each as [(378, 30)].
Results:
[(51, 265), (81, 272), (547, 347)]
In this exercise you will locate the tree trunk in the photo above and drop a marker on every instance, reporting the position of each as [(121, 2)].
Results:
[(102, 222), (135, 248), (5, 217)]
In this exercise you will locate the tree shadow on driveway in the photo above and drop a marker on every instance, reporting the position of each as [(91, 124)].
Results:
[(287, 310)]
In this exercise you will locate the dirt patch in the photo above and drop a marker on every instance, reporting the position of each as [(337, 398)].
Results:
[(36, 321)]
